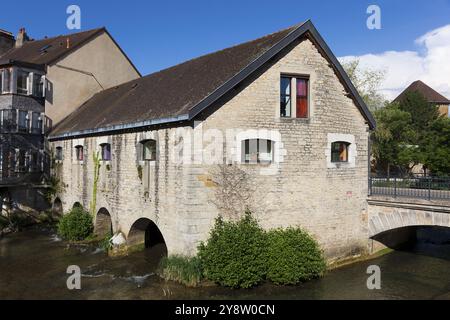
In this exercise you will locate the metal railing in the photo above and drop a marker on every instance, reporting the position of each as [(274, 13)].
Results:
[(428, 188)]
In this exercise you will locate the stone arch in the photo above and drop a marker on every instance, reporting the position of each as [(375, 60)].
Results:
[(57, 207), (103, 223), (397, 218), (145, 232), (406, 237), (77, 205)]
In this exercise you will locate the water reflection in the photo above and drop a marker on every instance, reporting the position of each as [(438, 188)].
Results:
[(33, 266)]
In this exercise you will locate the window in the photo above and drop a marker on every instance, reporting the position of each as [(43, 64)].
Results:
[(79, 153), (291, 87), (23, 121), (257, 151), (36, 123), (38, 85), (149, 150), (302, 98), (339, 151), (59, 153), (106, 151), (5, 81), (10, 120), (285, 98), (22, 82)]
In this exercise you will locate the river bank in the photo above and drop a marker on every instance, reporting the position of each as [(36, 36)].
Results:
[(33, 265)]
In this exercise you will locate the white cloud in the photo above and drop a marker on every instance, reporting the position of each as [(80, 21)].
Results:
[(430, 63)]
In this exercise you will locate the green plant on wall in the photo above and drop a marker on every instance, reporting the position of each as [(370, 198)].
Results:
[(54, 186), (96, 158)]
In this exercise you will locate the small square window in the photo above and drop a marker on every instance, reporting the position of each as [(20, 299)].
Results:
[(149, 150), (257, 151), (339, 151)]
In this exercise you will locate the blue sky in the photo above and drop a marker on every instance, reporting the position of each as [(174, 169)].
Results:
[(157, 34)]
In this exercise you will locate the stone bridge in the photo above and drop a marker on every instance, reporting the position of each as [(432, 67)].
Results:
[(397, 214)]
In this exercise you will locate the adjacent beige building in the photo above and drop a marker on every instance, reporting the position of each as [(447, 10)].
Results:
[(273, 125)]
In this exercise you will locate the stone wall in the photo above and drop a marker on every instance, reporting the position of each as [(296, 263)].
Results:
[(301, 190)]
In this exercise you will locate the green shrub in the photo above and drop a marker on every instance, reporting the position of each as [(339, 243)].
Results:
[(76, 225), (235, 254), (293, 256), (105, 243), (181, 269)]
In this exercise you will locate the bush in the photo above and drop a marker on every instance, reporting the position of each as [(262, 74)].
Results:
[(181, 269), (293, 256), (235, 254), (76, 225)]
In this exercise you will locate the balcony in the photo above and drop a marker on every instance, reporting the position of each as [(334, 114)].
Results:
[(24, 122)]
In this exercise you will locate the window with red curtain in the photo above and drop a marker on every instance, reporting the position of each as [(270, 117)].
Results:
[(302, 98)]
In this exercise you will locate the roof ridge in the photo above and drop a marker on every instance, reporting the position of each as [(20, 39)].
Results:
[(227, 48), (63, 35), (293, 27)]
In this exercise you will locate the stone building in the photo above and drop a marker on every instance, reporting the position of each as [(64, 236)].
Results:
[(41, 82), (432, 96), (273, 125)]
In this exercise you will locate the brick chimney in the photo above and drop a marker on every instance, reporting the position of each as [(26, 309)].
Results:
[(22, 37), (6, 41)]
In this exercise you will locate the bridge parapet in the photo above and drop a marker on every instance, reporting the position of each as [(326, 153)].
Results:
[(388, 213)]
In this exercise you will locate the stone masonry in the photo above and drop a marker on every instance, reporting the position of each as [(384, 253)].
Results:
[(329, 201)]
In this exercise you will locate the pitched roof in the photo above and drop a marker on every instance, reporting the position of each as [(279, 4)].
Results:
[(429, 93), (46, 51), (183, 91)]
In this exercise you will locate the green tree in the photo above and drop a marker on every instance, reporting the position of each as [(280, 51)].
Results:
[(423, 122), (423, 114), (367, 82), (392, 139), (436, 147)]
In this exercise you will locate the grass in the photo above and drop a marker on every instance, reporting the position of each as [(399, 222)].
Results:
[(184, 270)]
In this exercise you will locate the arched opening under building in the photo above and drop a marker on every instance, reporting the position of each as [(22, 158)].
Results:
[(57, 208), (146, 233), (426, 240), (103, 223), (77, 205)]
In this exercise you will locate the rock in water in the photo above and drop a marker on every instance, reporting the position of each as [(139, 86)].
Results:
[(118, 240)]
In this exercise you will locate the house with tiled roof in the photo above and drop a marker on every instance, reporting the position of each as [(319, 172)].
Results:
[(272, 125), (431, 95), (42, 82)]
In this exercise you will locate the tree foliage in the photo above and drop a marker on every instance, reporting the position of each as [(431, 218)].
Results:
[(409, 133), (367, 82)]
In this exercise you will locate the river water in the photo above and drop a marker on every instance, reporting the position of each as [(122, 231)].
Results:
[(33, 265)]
